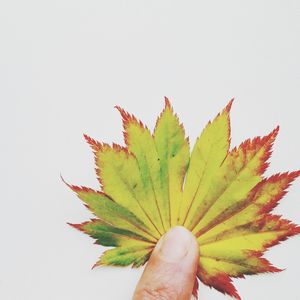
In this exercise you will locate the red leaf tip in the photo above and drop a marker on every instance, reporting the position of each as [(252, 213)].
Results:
[(275, 131), (76, 226), (97, 264), (127, 117), (95, 145), (167, 103), (229, 105)]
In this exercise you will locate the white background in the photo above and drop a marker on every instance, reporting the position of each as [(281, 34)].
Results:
[(63, 67)]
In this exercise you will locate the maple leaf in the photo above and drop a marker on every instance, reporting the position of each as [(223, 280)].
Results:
[(220, 195)]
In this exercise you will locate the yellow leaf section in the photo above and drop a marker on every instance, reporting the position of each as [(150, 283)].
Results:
[(208, 154), (141, 144), (238, 252), (234, 245), (238, 175), (121, 180), (247, 266), (261, 199), (173, 151), (112, 213)]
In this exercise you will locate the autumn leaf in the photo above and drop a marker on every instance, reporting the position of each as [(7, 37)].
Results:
[(220, 194)]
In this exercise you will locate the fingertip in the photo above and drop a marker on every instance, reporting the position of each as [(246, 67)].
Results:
[(172, 267), (177, 243)]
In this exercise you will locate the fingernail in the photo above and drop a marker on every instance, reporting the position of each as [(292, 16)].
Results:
[(175, 244)]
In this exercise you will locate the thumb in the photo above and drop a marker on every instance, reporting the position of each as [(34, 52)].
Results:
[(171, 271)]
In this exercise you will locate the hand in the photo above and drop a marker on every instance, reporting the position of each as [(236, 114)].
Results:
[(171, 271)]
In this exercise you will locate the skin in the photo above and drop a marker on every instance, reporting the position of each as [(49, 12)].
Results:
[(171, 271)]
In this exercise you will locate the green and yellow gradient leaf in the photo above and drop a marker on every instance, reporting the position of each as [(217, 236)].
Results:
[(236, 177), (208, 154), (141, 144), (220, 194), (173, 151)]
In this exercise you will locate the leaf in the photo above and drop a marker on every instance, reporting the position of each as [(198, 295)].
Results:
[(114, 164), (219, 194), (123, 256), (173, 151), (110, 212), (132, 248), (257, 236), (141, 144), (107, 235), (238, 174), (262, 199), (209, 152)]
